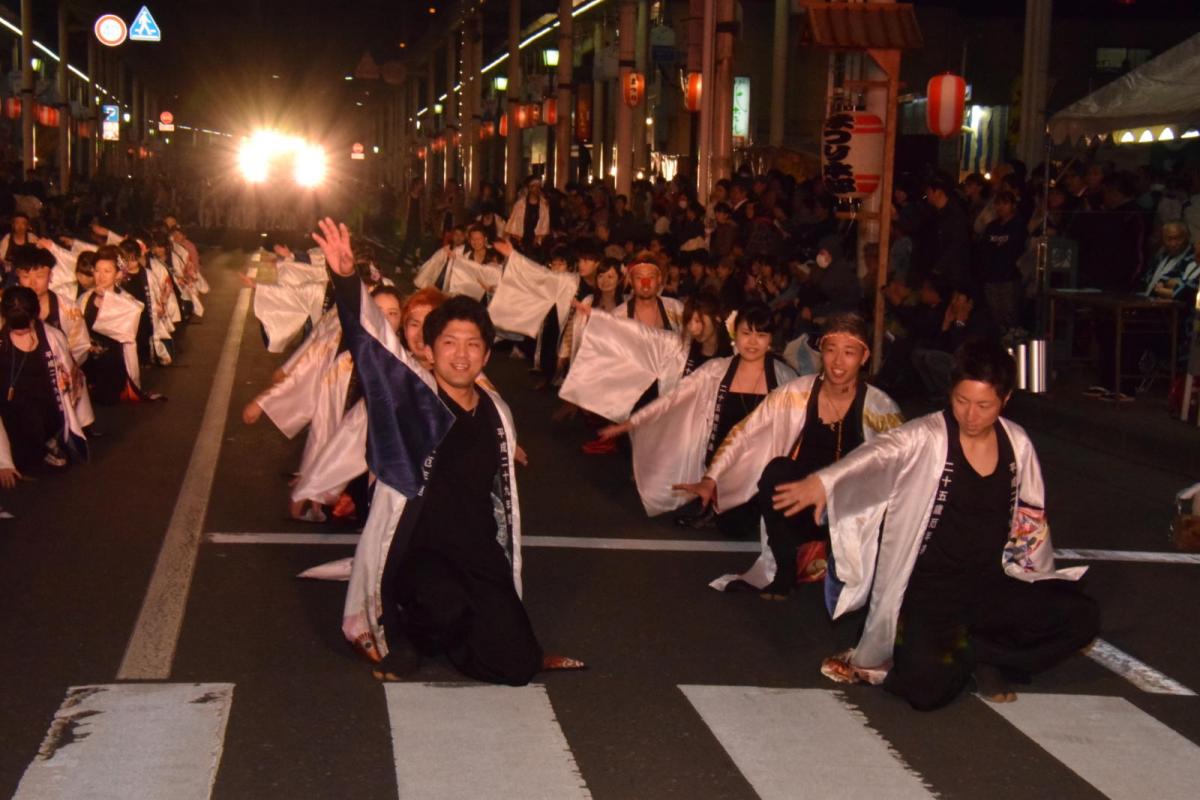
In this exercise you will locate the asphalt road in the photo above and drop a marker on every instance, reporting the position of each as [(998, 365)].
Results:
[(690, 693)]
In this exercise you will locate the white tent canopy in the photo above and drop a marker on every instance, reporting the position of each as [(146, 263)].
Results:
[(1163, 91)]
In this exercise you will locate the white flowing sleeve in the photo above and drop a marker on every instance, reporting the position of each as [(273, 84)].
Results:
[(6, 459), (292, 402)]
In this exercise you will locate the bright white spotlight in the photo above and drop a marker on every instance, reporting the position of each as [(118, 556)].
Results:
[(309, 170), (252, 161)]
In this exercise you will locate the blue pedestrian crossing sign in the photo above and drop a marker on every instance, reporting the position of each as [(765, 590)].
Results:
[(144, 28)]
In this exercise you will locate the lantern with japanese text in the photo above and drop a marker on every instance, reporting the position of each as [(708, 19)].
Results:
[(533, 114), (522, 116), (504, 124), (550, 111), (87, 129), (12, 107), (634, 88), (852, 153), (944, 109), (692, 92), (583, 113), (421, 152), (486, 130)]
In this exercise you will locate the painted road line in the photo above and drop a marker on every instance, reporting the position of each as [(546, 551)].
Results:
[(1140, 674), (132, 741), (467, 740), (564, 542), (804, 742), (151, 647), (1109, 742), (1127, 555)]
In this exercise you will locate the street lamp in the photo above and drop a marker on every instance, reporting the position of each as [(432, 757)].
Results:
[(550, 57), (501, 83)]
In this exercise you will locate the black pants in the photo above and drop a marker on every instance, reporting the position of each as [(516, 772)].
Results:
[(478, 621), (739, 522), (106, 374), (948, 625), (30, 424), (785, 534)]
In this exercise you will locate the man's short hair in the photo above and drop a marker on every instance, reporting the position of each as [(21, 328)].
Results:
[(722, 208), (109, 252), (460, 308), (984, 360), (86, 263), (390, 291), (30, 256)]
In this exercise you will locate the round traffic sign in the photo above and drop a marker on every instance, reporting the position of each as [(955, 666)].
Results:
[(357, 148), (166, 118), (111, 30)]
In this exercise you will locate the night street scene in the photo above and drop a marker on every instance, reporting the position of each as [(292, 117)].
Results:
[(614, 399)]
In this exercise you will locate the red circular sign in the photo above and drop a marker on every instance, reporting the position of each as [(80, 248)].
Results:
[(111, 30), (166, 118), (357, 148)]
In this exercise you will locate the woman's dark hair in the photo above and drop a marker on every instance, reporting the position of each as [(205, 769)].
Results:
[(130, 248), (390, 291), (19, 307), (757, 317), (986, 361), (86, 263), (460, 308), (709, 305)]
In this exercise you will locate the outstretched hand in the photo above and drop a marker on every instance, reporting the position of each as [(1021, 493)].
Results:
[(792, 498), (503, 247), (613, 431), (583, 309), (9, 477), (705, 489), (334, 241)]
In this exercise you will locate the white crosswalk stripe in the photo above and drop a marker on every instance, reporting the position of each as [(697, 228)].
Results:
[(132, 741), (1110, 743), (776, 736), (469, 740)]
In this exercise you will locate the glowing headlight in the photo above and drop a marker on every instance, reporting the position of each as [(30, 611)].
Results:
[(309, 166), (252, 162)]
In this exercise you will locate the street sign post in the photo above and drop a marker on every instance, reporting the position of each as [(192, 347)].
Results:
[(111, 123), (144, 28), (357, 152), (111, 30), (166, 122)]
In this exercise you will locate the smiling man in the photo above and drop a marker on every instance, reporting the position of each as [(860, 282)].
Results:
[(959, 581), (438, 567)]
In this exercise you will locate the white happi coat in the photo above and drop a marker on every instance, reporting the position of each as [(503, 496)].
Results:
[(283, 307), (892, 482), (468, 277), (165, 312), (73, 326), (618, 359), (364, 604), (673, 307), (118, 318), (313, 394), (62, 277), (671, 435), (527, 292), (71, 394), (429, 272), (771, 431)]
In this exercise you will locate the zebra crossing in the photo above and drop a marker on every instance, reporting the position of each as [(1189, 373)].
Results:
[(155, 740)]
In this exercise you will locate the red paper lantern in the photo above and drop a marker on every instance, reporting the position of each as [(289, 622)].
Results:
[(533, 115), (550, 111), (522, 116), (486, 130), (46, 115), (634, 86), (421, 152), (852, 153), (944, 109), (692, 92), (504, 125), (12, 107), (86, 130)]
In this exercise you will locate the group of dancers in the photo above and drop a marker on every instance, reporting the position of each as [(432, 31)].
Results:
[(930, 536), (82, 314)]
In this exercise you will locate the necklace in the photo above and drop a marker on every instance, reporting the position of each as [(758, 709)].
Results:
[(14, 370)]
